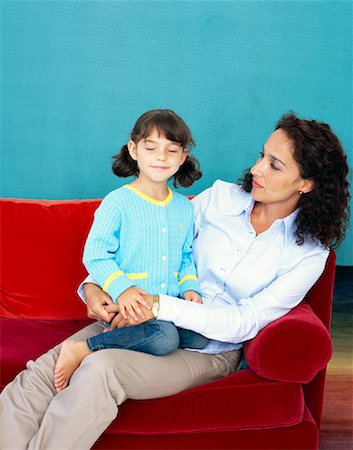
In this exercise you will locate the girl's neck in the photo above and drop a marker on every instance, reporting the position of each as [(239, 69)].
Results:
[(157, 191)]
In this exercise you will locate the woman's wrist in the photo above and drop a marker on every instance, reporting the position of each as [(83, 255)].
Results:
[(155, 305)]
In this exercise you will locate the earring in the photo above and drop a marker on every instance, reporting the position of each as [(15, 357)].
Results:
[(301, 192)]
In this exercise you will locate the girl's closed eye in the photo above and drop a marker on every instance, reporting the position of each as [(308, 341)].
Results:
[(173, 149)]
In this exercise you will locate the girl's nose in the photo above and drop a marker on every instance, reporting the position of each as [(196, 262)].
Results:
[(161, 155)]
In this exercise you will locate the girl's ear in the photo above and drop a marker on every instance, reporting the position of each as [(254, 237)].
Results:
[(131, 146), (184, 156)]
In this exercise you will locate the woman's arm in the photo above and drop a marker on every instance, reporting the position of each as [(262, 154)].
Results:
[(242, 321)]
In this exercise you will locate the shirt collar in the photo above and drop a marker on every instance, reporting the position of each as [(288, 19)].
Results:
[(246, 206), (240, 205)]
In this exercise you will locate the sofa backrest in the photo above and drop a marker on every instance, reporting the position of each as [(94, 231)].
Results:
[(41, 249)]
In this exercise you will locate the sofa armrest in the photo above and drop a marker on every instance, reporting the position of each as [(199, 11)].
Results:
[(293, 348)]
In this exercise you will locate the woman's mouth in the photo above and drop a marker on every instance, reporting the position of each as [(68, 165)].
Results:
[(255, 184)]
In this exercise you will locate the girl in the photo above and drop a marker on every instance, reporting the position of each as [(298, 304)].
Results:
[(141, 241)]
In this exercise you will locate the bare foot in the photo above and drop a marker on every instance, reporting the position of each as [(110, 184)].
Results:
[(70, 357)]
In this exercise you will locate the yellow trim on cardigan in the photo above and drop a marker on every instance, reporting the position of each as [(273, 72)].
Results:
[(187, 277), (131, 276), (150, 199), (137, 276), (111, 278)]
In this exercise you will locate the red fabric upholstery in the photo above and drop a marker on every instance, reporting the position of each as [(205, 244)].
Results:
[(41, 249), (293, 348), (25, 339)]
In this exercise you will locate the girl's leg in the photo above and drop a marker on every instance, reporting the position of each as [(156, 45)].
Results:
[(78, 415), (24, 401), (191, 339), (155, 337)]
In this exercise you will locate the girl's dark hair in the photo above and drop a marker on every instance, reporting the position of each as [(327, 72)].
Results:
[(324, 212), (173, 128)]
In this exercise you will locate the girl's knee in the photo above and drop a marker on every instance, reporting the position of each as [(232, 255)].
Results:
[(169, 341)]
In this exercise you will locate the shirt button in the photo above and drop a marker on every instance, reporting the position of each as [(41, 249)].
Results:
[(164, 258), (223, 269), (164, 230), (162, 285)]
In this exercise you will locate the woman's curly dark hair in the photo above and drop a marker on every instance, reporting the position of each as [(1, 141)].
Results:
[(173, 128), (324, 212)]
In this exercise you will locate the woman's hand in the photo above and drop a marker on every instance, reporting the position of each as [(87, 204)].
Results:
[(97, 302)]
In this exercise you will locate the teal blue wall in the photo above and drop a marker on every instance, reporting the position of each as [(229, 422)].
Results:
[(77, 74)]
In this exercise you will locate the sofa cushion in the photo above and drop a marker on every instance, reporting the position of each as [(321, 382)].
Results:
[(293, 348), (244, 392), (41, 248), (237, 402), (24, 339)]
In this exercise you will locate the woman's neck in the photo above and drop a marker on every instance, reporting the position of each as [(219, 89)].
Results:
[(263, 215), (157, 191)]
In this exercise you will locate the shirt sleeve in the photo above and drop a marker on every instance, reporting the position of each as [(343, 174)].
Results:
[(80, 291), (101, 247), (241, 322), (187, 278)]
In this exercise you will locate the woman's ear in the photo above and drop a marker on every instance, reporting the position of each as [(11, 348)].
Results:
[(132, 147), (307, 185)]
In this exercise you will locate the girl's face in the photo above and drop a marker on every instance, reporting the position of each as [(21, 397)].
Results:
[(276, 177), (158, 158)]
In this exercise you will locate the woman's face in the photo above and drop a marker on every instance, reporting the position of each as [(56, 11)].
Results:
[(276, 177)]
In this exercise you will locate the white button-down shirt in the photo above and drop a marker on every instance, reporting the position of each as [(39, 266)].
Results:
[(247, 280)]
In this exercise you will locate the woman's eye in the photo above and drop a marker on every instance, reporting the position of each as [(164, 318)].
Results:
[(274, 167), (150, 148)]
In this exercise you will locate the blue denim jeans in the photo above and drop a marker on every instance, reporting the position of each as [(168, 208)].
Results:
[(156, 337)]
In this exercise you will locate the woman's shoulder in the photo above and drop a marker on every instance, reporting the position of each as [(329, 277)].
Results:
[(222, 196), (230, 194)]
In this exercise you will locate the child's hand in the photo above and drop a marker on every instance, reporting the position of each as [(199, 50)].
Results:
[(129, 301), (192, 296)]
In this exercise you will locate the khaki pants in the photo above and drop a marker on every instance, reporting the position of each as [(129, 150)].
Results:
[(34, 416)]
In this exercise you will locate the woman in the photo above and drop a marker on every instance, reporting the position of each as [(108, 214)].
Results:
[(258, 248)]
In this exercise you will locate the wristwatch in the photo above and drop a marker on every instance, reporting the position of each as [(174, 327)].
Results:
[(155, 306)]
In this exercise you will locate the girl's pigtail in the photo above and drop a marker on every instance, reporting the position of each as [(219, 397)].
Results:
[(124, 165), (188, 172)]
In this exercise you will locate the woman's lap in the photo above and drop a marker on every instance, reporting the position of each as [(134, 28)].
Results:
[(105, 379)]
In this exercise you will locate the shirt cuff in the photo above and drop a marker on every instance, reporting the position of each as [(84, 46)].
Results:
[(80, 290), (166, 307)]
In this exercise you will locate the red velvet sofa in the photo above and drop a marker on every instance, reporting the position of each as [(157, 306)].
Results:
[(275, 403)]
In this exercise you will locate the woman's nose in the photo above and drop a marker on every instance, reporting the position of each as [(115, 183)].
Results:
[(257, 167)]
